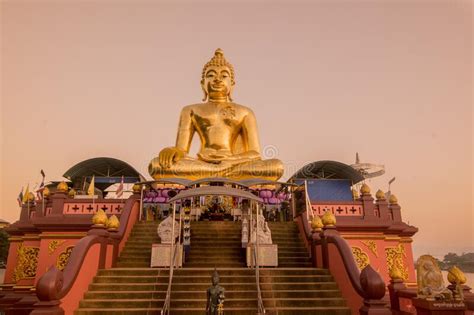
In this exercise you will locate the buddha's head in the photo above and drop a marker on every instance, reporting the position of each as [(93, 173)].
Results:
[(215, 277), (218, 79)]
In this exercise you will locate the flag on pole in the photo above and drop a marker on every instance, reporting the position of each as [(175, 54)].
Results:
[(91, 189), (42, 181), (25, 195), (39, 192), (119, 192), (20, 197)]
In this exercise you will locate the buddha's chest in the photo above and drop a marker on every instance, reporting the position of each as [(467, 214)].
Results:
[(226, 117)]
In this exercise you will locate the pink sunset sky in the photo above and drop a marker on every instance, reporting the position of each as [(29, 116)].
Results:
[(391, 80)]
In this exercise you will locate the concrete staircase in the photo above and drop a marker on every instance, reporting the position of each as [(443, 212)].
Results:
[(216, 244), (137, 250), (293, 288), (291, 249)]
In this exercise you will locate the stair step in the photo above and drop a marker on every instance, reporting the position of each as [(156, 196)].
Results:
[(295, 287), (228, 311)]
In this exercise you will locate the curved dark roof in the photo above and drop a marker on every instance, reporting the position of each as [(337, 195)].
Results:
[(103, 167), (215, 190), (328, 170)]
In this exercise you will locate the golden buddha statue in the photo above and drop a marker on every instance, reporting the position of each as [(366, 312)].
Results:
[(228, 132)]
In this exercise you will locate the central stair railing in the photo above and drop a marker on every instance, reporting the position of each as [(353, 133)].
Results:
[(261, 307), (174, 248)]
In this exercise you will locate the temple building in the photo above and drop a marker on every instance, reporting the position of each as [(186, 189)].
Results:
[(219, 232)]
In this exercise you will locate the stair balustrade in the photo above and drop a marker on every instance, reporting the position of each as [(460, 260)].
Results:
[(59, 291), (173, 255), (364, 289), (261, 307)]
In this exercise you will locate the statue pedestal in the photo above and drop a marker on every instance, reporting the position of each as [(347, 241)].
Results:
[(160, 255), (267, 255), (426, 307)]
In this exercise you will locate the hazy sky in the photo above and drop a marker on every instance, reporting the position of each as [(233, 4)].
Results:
[(389, 79)]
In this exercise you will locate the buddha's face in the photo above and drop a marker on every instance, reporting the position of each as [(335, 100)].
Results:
[(217, 82), (215, 280)]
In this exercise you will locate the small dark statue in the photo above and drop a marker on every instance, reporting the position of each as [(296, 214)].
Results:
[(215, 297)]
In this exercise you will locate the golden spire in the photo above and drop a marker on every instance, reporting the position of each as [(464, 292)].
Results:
[(317, 223), (46, 192), (100, 218), (365, 189), (31, 197), (62, 187), (380, 195), (219, 60), (113, 223), (395, 273), (72, 193), (328, 219), (393, 200), (136, 188)]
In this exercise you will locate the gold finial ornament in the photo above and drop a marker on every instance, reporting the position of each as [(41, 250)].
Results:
[(380, 195), (46, 192), (62, 187), (317, 224), (31, 197), (328, 219), (395, 273), (100, 218), (365, 189), (393, 200), (137, 188), (355, 194), (455, 275), (71, 193), (113, 223)]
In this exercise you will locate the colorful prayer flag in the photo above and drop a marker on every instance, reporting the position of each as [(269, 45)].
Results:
[(119, 192), (91, 189), (42, 181), (25, 195), (20, 197)]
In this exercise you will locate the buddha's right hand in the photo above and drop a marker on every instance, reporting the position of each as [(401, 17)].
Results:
[(169, 156)]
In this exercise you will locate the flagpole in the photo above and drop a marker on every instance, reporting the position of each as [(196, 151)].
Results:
[(28, 200), (121, 194), (42, 202), (91, 191), (141, 204)]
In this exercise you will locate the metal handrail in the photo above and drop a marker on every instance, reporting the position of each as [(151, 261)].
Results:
[(261, 307), (173, 251), (166, 305)]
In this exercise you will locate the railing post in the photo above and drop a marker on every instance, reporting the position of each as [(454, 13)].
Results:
[(101, 230), (256, 238), (367, 202), (316, 225), (329, 222), (57, 202), (396, 284), (374, 290)]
